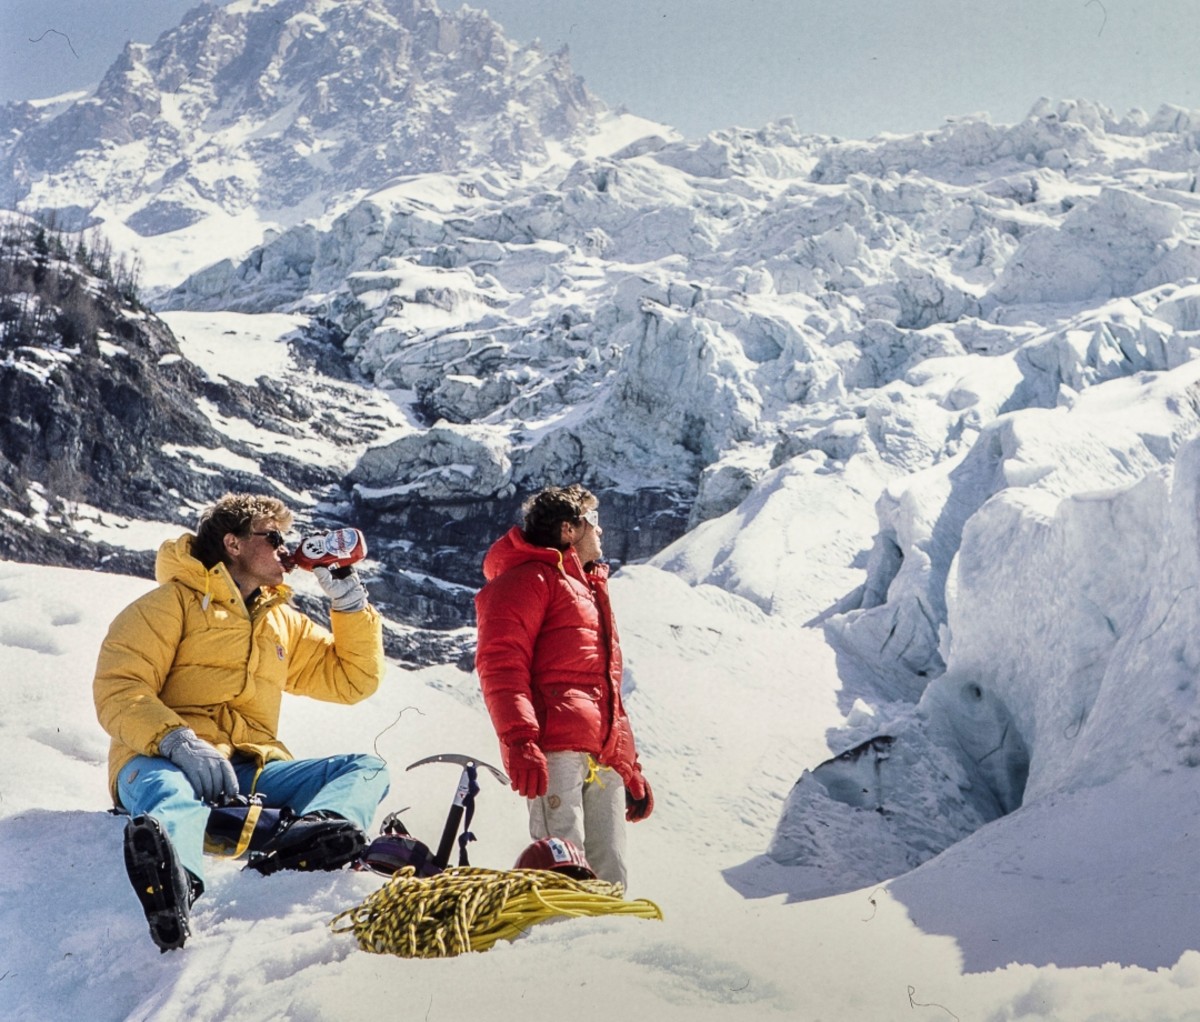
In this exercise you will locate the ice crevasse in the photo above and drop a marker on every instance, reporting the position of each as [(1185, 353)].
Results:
[(1047, 639)]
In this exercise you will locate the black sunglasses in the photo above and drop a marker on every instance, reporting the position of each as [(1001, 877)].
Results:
[(274, 537)]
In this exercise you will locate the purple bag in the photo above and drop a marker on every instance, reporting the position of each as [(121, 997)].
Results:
[(396, 848)]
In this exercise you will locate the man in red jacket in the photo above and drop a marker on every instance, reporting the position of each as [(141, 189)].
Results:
[(549, 664)]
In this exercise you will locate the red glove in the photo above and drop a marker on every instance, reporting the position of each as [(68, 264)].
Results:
[(639, 799), (526, 767)]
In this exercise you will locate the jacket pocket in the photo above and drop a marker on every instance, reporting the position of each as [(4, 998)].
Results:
[(573, 717)]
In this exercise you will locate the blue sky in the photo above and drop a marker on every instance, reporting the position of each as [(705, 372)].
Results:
[(844, 67)]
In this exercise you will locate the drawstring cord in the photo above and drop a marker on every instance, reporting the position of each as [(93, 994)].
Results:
[(593, 774)]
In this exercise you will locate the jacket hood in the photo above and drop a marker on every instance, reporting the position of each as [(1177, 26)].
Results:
[(513, 548), (175, 563)]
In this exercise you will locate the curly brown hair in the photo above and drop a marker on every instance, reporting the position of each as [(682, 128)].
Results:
[(236, 513), (546, 510)]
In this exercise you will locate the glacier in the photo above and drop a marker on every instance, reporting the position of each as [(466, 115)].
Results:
[(898, 443)]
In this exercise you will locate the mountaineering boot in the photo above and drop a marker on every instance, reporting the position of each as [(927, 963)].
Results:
[(315, 841), (165, 889)]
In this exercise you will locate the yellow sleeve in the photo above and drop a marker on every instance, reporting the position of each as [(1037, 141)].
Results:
[(132, 667), (344, 666)]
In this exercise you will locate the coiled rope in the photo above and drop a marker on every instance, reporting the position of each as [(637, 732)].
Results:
[(467, 908)]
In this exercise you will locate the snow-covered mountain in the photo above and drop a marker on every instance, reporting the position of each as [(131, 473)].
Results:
[(256, 115), (896, 438)]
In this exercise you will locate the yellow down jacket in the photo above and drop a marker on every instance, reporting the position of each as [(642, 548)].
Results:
[(190, 653)]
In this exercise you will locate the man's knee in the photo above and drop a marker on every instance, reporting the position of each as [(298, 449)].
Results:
[(370, 771), (370, 762), (372, 767)]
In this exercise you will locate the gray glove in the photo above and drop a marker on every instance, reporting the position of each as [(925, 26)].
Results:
[(210, 774), (345, 589)]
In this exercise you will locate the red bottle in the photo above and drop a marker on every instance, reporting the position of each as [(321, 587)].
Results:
[(338, 548)]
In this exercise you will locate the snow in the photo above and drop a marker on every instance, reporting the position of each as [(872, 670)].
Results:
[(1035, 858), (234, 345), (63, 100), (616, 132), (1078, 905), (117, 530), (168, 257)]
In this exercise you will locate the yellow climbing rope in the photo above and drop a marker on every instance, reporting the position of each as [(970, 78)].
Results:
[(466, 908)]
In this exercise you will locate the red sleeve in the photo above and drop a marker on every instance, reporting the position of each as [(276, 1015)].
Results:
[(509, 613)]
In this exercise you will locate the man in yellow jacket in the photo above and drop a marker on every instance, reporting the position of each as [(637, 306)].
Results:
[(188, 685)]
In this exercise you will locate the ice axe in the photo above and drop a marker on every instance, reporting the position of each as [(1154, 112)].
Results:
[(464, 802)]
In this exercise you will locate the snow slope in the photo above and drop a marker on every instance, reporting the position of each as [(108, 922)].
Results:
[(1071, 619), (1078, 906)]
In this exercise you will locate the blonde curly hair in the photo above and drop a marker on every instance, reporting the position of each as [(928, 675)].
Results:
[(236, 513)]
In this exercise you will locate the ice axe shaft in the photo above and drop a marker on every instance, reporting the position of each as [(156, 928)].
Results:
[(462, 795), (454, 818)]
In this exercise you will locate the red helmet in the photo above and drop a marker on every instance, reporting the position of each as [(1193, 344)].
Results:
[(558, 854)]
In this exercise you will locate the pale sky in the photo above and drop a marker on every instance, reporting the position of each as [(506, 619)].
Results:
[(841, 67)]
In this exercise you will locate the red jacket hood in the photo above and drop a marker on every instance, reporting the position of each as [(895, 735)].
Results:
[(513, 548)]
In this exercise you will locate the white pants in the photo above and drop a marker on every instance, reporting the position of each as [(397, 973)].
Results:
[(588, 813)]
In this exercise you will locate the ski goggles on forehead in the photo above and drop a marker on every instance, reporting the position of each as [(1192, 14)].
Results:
[(274, 537)]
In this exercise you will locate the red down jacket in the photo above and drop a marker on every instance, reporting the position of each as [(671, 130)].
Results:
[(548, 657)]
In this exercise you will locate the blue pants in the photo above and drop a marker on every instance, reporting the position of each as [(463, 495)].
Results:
[(351, 786)]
